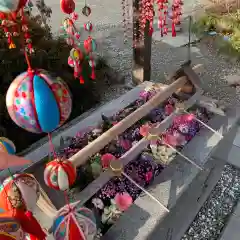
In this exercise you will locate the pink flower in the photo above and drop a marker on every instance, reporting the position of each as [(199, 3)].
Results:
[(106, 159), (143, 94), (74, 16), (123, 201), (148, 176), (144, 130), (174, 139), (126, 144), (168, 109), (77, 36)]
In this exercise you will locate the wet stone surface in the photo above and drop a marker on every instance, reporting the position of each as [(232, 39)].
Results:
[(217, 209)]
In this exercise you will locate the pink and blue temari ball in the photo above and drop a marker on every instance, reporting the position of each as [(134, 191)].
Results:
[(7, 146), (38, 102), (74, 221)]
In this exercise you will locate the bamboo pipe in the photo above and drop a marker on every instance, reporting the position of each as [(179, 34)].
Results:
[(95, 146)]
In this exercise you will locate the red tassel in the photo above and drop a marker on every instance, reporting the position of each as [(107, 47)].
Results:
[(30, 225), (81, 79), (174, 34)]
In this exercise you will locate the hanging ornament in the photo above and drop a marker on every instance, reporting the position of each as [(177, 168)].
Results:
[(38, 102), (75, 61), (74, 221), (60, 174), (10, 13), (7, 146), (10, 229), (86, 11), (88, 26), (67, 6), (11, 7), (20, 191), (18, 197)]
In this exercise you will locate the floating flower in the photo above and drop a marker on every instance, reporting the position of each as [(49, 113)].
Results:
[(98, 203), (123, 201), (148, 176), (106, 159), (125, 144), (169, 109), (174, 139)]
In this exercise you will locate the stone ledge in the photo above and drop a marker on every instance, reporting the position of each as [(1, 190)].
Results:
[(172, 182)]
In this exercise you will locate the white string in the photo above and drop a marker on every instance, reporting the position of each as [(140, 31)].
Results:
[(205, 125), (145, 191), (183, 156)]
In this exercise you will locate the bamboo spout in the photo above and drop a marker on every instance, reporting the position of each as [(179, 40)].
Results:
[(95, 146)]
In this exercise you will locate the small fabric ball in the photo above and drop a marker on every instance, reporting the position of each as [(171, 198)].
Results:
[(19, 192), (67, 6), (86, 11), (10, 229), (88, 26), (76, 54), (77, 223), (60, 174), (90, 44), (7, 146), (38, 102)]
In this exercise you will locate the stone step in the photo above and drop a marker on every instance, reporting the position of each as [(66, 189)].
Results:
[(231, 231)]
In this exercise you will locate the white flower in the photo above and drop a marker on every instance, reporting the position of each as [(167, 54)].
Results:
[(97, 202)]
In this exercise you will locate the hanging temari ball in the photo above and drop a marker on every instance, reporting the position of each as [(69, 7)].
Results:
[(74, 221), (60, 174), (7, 146), (38, 102)]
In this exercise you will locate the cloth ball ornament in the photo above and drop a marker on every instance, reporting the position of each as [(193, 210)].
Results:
[(86, 11), (7, 6), (67, 6), (74, 221), (10, 229), (90, 44), (7, 146), (88, 26), (20, 191), (38, 102), (60, 174)]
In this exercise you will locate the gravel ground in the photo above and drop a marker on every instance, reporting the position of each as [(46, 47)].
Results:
[(213, 215), (166, 59)]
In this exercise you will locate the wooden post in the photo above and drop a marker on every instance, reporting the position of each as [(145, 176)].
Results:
[(142, 51)]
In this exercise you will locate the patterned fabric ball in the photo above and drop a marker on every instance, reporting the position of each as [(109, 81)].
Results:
[(7, 146), (38, 102), (10, 6), (74, 221), (10, 229), (88, 26), (60, 174), (20, 193)]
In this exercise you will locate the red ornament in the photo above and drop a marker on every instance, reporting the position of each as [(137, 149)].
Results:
[(67, 6), (60, 174)]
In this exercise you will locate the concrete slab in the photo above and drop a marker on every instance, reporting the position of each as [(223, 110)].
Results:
[(147, 220), (229, 149), (231, 231)]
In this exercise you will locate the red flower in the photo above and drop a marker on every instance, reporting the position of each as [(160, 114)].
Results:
[(148, 176), (123, 201), (106, 159)]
